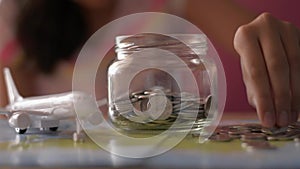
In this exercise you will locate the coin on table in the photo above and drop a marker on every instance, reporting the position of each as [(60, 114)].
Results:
[(295, 125), (274, 131), (238, 131), (253, 125), (287, 136), (234, 136), (220, 138), (253, 136)]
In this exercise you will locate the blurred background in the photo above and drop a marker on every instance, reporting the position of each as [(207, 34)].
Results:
[(10, 47)]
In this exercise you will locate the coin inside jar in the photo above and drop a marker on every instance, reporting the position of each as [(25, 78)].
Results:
[(207, 104), (159, 107)]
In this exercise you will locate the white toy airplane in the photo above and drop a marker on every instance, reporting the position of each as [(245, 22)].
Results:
[(45, 112)]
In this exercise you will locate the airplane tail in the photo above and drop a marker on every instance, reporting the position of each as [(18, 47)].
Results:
[(12, 92)]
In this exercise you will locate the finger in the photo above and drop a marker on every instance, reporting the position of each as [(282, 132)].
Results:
[(255, 74), (278, 70), (292, 49)]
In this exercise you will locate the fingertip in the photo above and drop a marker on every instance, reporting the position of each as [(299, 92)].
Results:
[(283, 119), (265, 111), (268, 119)]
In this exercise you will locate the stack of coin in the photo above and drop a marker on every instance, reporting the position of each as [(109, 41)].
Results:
[(254, 136), (159, 109)]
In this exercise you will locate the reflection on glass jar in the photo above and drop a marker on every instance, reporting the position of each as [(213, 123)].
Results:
[(157, 81)]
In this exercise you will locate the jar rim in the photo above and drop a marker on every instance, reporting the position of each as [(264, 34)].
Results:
[(182, 44), (186, 38)]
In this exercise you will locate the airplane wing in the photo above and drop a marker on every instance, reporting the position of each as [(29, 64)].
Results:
[(63, 113), (34, 112), (55, 112)]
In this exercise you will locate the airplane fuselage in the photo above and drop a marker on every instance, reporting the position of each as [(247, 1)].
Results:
[(44, 111), (50, 105)]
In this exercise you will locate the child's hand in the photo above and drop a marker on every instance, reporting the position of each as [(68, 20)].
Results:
[(270, 61)]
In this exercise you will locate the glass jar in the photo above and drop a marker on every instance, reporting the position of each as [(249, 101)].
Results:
[(160, 82)]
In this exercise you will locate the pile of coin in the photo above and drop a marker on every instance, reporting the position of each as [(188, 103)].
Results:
[(159, 109), (254, 136)]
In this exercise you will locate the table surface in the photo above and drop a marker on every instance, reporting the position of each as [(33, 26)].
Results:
[(56, 150)]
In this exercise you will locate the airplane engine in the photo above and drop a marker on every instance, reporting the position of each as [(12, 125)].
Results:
[(19, 120)]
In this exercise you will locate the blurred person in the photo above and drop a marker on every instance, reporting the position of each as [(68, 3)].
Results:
[(50, 33)]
